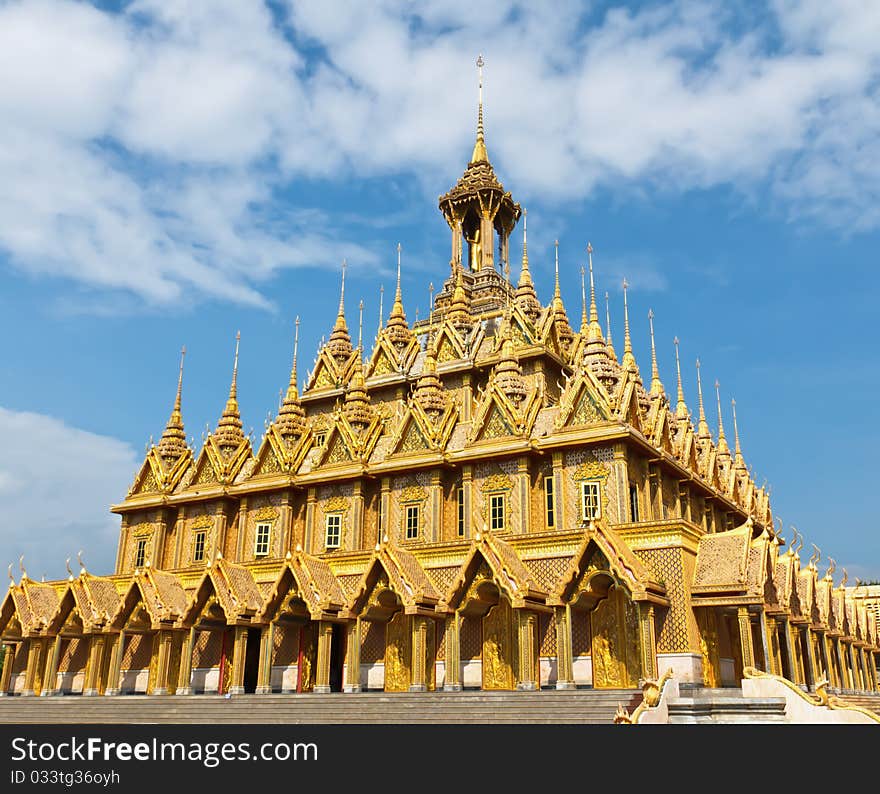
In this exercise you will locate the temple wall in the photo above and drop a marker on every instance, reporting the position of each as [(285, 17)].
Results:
[(261, 508), (336, 498)]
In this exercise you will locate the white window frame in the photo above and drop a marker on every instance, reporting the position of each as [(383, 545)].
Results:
[(497, 512), (262, 538), (320, 438), (332, 530), (140, 552), (591, 500), (549, 503), (203, 534), (411, 527)]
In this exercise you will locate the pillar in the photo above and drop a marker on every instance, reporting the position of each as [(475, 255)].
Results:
[(419, 628), (854, 666), (558, 500), (768, 628), (239, 650), (93, 666), (322, 671), (487, 241), (51, 686), (353, 657), (524, 484), (810, 667), (467, 397), (357, 515), (311, 500), (163, 651), (184, 684), (833, 670), (435, 491), (843, 681), (452, 680), (745, 637), (6, 672), (564, 667), (647, 641), (765, 642), (267, 647), (794, 650), (117, 651), (242, 530), (32, 682), (527, 622)]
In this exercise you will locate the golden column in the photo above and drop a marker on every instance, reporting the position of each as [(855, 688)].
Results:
[(854, 665), (94, 664), (745, 637), (322, 672), (419, 652), (527, 622), (811, 670), (33, 672), (523, 483), (51, 678), (160, 686), (648, 641), (116, 651), (842, 680), (6, 672), (452, 666), (797, 659), (772, 645), (184, 685), (236, 685), (353, 657), (564, 666), (267, 647)]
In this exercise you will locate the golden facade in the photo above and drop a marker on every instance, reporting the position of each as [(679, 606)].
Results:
[(490, 499)]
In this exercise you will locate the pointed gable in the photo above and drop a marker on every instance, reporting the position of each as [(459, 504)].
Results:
[(234, 589), (309, 579), (154, 598), (393, 579)]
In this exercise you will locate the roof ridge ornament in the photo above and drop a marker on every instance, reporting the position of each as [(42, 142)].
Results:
[(480, 155)]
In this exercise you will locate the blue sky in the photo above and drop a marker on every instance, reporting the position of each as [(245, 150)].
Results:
[(172, 174)]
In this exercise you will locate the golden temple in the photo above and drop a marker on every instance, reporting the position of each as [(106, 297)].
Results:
[(491, 499)]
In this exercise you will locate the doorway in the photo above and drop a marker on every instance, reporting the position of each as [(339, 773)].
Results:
[(337, 657), (252, 661)]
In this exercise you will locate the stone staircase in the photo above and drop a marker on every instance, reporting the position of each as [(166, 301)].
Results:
[(698, 704), (581, 706), (864, 701)]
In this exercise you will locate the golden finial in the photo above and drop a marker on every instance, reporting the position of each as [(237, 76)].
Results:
[(79, 559), (525, 255), (595, 328), (233, 389), (479, 154), (656, 385), (431, 303), (735, 430), (703, 425), (381, 297), (361, 326), (832, 567), (608, 341), (627, 342), (816, 556), (69, 571), (11, 577), (722, 441), (845, 578), (584, 321), (24, 574), (180, 380), (293, 374), (681, 410), (556, 293), (341, 313)]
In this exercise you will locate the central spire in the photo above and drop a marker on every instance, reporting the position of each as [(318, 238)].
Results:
[(480, 155), (291, 416), (656, 384), (339, 344), (723, 449), (703, 431), (681, 409), (173, 442), (397, 330), (229, 428)]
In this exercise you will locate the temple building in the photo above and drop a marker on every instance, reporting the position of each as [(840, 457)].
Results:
[(494, 497)]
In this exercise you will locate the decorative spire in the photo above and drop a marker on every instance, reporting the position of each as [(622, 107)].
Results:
[(173, 442), (629, 360), (595, 328), (740, 461), (526, 297), (460, 309), (291, 415), (681, 409), (656, 384), (479, 154), (560, 318), (557, 296), (361, 327), (397, 331), (703, 426), (508, 373), (609, 343), (585, 323), (229, 428), (339, 344), (429, 391), (381, 297), (357, 401), (723, 449)]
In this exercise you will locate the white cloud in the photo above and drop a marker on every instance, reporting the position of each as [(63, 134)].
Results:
[(144, 151), (56, 485)]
